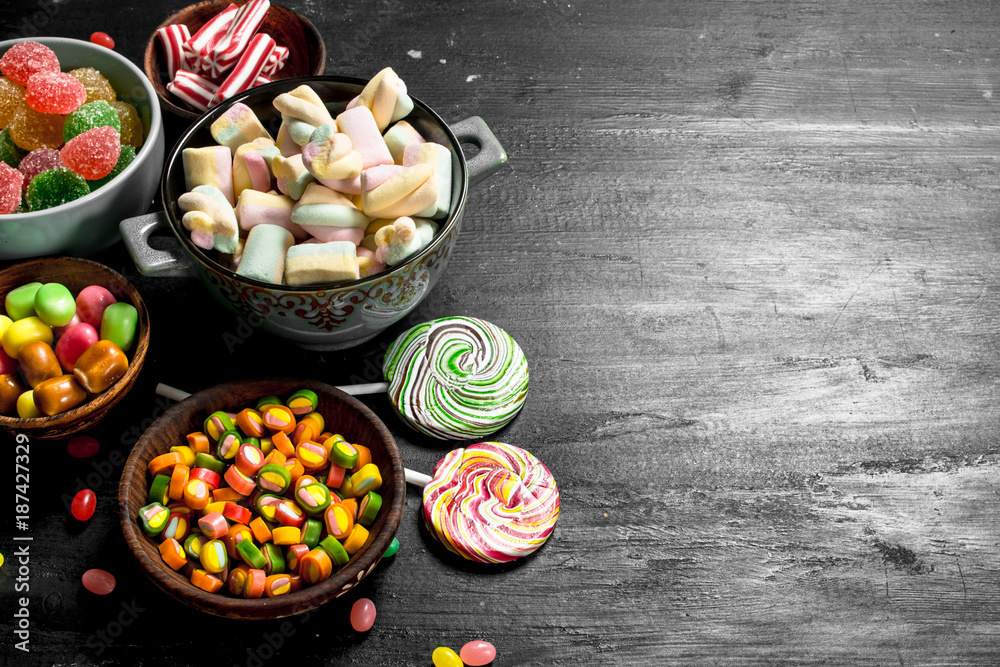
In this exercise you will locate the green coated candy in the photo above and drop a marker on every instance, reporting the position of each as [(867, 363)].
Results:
[(125, 158), (90, 115), (159, 488), (55, 187), (54, 304), (10, 152), (118, 324), (335, 550), (311, 531), (393, 548), (20, 302)]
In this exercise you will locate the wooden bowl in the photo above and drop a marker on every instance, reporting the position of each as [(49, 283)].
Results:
[(344, 414), (76, 274), (306, 50)]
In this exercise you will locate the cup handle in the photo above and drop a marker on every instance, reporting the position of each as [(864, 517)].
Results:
[(170, 262), (491, 155)]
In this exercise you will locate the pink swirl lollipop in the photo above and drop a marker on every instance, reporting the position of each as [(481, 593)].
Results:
[(491, 502)]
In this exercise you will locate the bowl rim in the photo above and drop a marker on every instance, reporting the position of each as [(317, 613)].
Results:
[(111, 395), (147, 52), (141, 156), (196, 254), (284, 605)]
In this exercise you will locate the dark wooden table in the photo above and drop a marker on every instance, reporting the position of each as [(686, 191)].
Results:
[(750, 249)]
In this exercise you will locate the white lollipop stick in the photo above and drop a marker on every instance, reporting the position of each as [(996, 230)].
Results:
[(417, 478)]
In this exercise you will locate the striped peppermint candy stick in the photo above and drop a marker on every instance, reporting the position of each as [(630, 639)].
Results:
[(276, 60), (193, 88), (203, 42), (261, 80), (172, 38), (247, 69), (237, 39)]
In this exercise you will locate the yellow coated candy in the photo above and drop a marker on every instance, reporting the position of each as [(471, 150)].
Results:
[(25, 331), (26, 408), (4, 323), (213, 556), (1, 560), (187, 454), (365, 480), (445, 657)]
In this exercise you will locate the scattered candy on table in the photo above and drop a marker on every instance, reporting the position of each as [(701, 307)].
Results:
[(393, 548), (267, 510), (363, 615), (102, 39), (445, 657), (83, 505), (478, 653), (98, 582), (82, 447)]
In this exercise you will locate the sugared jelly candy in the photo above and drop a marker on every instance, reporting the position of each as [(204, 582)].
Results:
[(20, 302), (11, 181), (94, 153), (131, 127), (393, 548), (83, 505), (118, 324), (98, 88), (32, 129), (26, 408), (103, 39), (54, 92), (74, 342), (11, 97), (37, 161), (55, 304), (477, 653), (124, 159), (98, 582), (82, 447), (363, 615), (10, 153), (24, 331), (26, 58), (92, 114), (445, 657), (91, 302), (54, 187)]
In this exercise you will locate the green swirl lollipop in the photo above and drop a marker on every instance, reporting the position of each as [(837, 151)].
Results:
[(456, 378)]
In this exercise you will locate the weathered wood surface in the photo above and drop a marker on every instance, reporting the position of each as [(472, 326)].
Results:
[(750, 250)]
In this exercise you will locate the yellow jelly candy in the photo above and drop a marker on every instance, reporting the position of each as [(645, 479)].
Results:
[(4, 323), (445, 657), (98, 88), (25, 331), (32, 129), (131, 132), (26, 408)]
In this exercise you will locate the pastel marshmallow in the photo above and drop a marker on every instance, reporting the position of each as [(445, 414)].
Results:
[(261, 208), (252, 165), (385, 96), (329, 155), (211, 165), (403, 193), (207, 211), (285, 143), (321, 211), (308, 263), (368, 265), (302, 107), (237, 126), (402, 238), (359, 124), (291, 175), (263, 255), (439, 158), (398, 137)]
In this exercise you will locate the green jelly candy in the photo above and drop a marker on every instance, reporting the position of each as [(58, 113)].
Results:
[(90, 115), (55, 187), (124, 159), (54, 304), (10, 152), (118, 325), (20, 302), (393, 548)]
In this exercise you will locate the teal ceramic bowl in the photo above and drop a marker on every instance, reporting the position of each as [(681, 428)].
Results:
[(90, 223), (323, 316)]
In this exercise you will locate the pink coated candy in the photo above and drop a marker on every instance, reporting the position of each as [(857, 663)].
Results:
[(91, 302), (11, 186), (98, 582), (59, 331), (37, 161), (54, 92), (8, 364), (363, 615), (84, 504), (477, 653), (94, 153), (77, 339), (82, 447), (27, 58)]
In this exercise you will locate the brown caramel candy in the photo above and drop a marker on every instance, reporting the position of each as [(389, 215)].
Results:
[(38, 362), (100, 366), (58, 394), (10, 389)]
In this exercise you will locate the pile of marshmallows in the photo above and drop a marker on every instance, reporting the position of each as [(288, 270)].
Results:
[(350, 201), (226, 56)]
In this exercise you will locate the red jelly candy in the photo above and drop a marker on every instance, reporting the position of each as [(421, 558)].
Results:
[(74, 342), (478, 653), (84, 504), (11, 182), (94, 153), (98, 582), (91, 302), (37, 161), (54, 92), (27, 58), (103, 39), (363, 615), (82, 447)]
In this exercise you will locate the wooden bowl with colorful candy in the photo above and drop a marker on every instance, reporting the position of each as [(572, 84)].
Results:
[(74, 337), (262, 499), (254, 42)]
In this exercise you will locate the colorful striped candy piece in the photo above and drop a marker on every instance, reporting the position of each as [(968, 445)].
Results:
[(316, 566), (214, 557), (277, 584)]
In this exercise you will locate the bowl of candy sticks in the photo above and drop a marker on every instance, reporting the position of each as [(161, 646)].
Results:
[(210, 51), (262, 499)]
